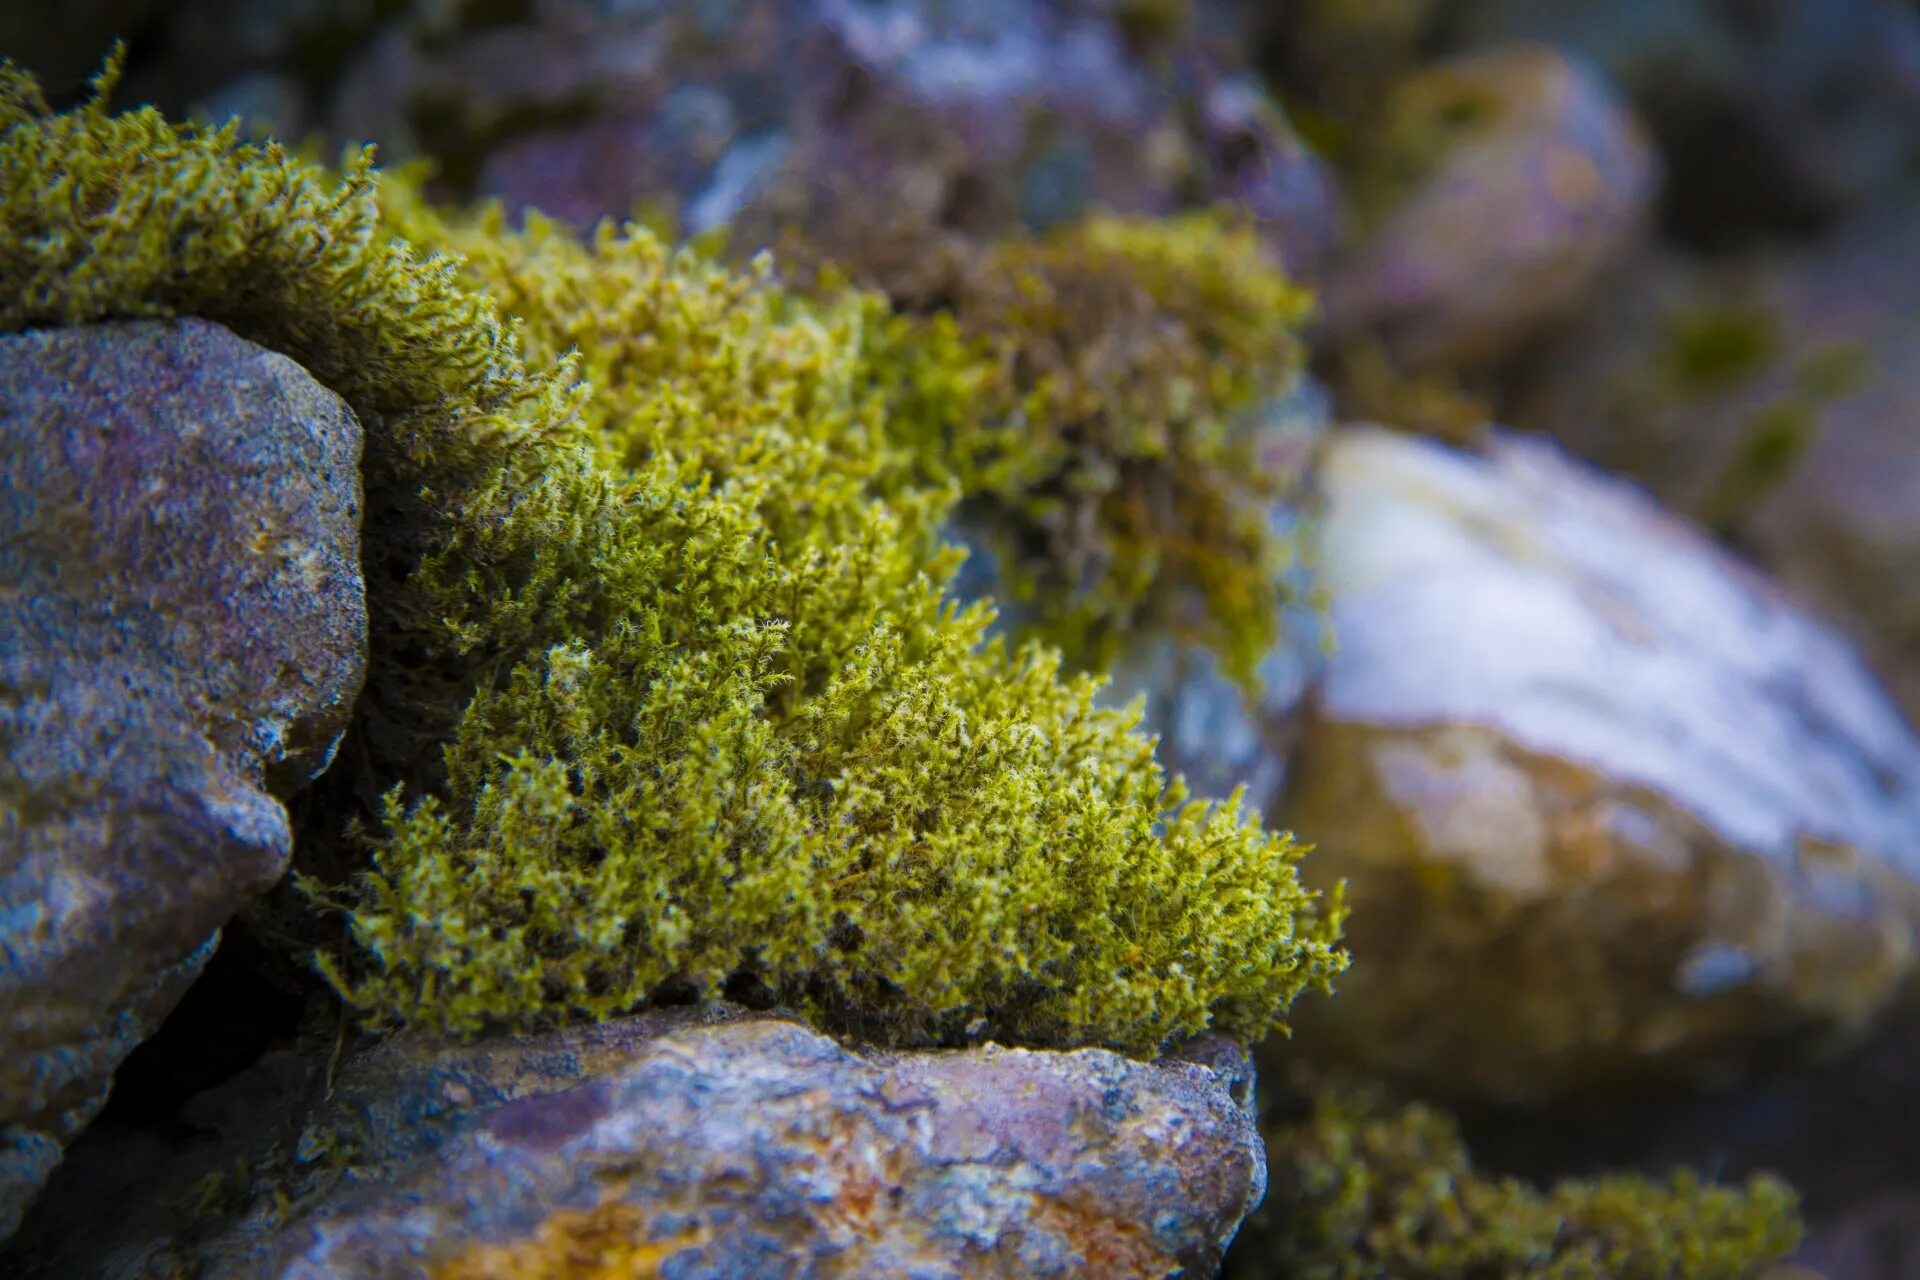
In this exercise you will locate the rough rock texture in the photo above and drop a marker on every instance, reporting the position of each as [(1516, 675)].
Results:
[(674, 1144), (1536, 179), (1610, 806), (182, 633)]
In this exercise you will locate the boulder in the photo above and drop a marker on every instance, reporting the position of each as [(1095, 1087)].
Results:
[(1778, 400), (182, 635), (779, 114), (1504, 184), (691, 1144), (1612, 808), (1773, 117)]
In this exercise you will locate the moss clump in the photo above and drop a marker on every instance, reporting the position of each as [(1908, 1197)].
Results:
[(1709, 351), (1361, 1190), (664, 691), (1097, 394)]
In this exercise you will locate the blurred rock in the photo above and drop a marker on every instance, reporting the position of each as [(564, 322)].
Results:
[(1502, 186), (182, 634), (675, 1144), (1773, 115), (1836, 1131), (1778, 400), (781, 113), (1612, 809)]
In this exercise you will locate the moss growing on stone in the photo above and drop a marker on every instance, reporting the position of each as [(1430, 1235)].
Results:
[(1096, 394), (664, 691), (1362, 1189)]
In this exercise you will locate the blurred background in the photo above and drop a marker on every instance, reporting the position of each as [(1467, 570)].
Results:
[(1615, 745)]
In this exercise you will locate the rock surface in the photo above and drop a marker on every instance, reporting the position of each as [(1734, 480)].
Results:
[(678, 1144), (1611, 807), (978, 117), (1541, 180), (1774, 116), (1778, 400), (182, 633)]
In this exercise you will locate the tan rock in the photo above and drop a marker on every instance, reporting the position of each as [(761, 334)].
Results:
[(1612, 808)]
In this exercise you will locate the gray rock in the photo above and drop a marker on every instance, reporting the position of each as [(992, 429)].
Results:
[(1777, 398), (1773, 116), (1217, 734), (1612, 808), (182, 634), (756, 1147), (1541, 181), (781, 113)]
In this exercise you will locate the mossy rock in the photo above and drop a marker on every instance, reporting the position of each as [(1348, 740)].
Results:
[(664, 693)]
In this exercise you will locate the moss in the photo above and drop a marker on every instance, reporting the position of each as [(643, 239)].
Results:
[(1370, 387), (1709, 351), (663, 690), (1341, 62), (1361, 1190), (1096, 394), (1414, 130), (1148, 24)]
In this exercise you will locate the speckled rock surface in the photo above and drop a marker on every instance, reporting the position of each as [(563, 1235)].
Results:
[(1542, 178), (182, 633), (677, 1144), (1612, 807)]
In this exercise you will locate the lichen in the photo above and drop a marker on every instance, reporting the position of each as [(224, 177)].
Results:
[(1096, 395), (664, 691), (1362, 1188)]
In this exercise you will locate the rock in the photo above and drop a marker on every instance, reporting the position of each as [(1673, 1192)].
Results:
[(1612, 808), (673, 1143), (777, 113), (1842, 525), (1528, 178), (1217, 734), (1773, 117), (1775, 399), (182, 634)]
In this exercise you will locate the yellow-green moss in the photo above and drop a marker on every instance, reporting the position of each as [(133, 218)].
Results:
[(660, 650), (1364, 1190), (1095, 394)]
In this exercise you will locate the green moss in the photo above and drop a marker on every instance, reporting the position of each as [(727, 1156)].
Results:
[(1096, 396), (1710, 351), (1413, 131), (1363, 1190), (663, 689), (1147, 24)]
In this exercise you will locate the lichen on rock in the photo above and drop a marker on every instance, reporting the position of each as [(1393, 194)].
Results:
[(664, 689)]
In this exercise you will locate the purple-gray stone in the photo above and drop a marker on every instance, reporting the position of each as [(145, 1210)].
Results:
[(182, 635), (676, 1144)]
